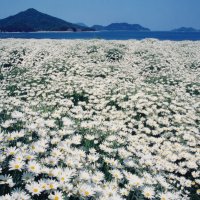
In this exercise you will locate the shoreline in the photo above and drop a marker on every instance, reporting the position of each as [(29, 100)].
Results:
[(106, 35), (156, 31), (52, 32)]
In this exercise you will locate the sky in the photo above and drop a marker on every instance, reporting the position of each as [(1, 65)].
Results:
[(153, 14)]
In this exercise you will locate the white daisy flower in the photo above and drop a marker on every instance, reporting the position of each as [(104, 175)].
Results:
[(148, 192), (86, 191), (33, 167), (34, 188), (16, 165), (56, 196)]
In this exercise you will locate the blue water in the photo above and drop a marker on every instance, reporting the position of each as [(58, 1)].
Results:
[(108, 35)]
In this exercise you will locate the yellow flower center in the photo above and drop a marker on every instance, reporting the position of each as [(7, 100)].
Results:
[(56, 198), (62, 179), (87, 193), (35, 190), (51, 186), (163, 198), (32, 167), (137, 183), (147, 194), (17, 166), (44, 187), (28, 157)]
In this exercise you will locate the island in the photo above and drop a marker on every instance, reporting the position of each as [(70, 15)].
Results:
[(32, 20), (185, 29), (120, 27)]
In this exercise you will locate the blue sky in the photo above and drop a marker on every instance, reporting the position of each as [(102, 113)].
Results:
[(154, 14)]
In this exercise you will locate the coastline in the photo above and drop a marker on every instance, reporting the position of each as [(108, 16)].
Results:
[(107, 35)]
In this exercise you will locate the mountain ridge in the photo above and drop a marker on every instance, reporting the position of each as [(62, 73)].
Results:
[(121, 26), (32, 20)]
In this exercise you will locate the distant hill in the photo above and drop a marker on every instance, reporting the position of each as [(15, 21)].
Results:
[(121, 26), (32, 20), (185, 29), (98, 27), (81, 24)]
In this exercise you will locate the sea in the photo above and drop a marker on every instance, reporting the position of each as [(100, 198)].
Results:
[(107, 35)]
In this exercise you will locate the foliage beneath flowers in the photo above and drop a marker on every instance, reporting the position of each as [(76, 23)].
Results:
[(99, 120)]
